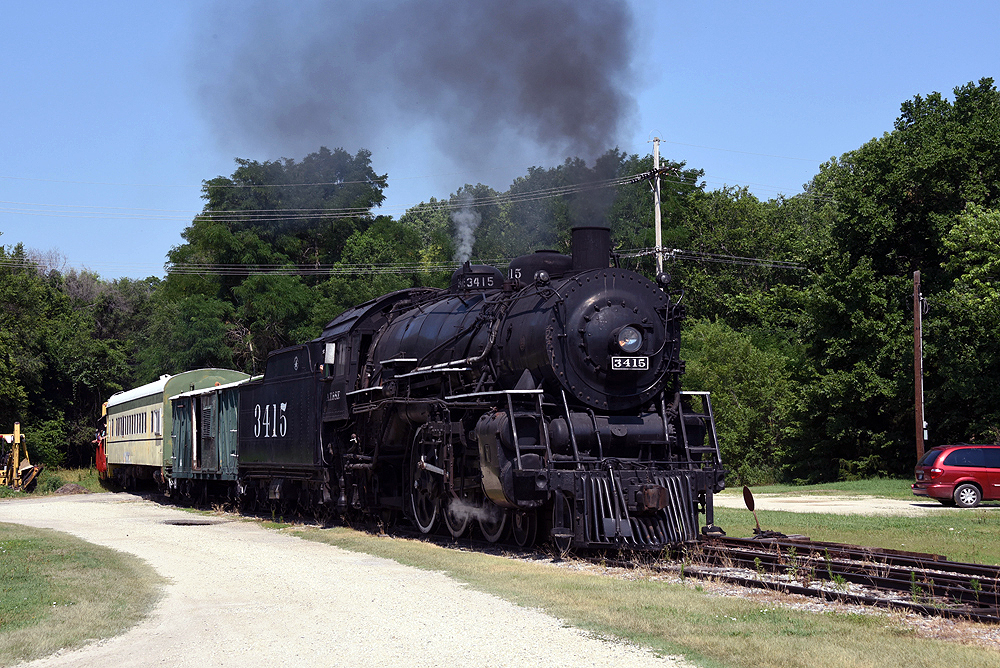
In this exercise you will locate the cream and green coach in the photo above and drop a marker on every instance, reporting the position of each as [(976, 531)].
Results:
[(137, 443)]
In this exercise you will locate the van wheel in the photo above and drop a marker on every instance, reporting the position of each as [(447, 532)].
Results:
[(967, 496)]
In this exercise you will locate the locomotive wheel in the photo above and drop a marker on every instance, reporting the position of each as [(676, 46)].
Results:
[(187, 491), (456, 519), (562, 524), (493, 521), (524, 527), (247, 499), (201, 493), (425, 492), (324, 514)]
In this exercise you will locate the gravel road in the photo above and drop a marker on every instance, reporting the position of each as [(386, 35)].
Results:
[(844, 504), (242, 596)]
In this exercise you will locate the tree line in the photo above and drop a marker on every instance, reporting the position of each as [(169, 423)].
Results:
[(799, 308)]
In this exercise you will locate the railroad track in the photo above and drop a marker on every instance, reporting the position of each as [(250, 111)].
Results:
[(928, 584)]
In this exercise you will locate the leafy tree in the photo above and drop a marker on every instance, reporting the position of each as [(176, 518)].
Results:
[(275, 217), (898, 199), (631, 216), (962, 331), (479, 219), (328, 196), (899, 194), (54, 371), (430, 221), (362, 276), (752, 396), (739, 239)]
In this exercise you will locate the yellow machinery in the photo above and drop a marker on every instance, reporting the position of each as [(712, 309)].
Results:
[(15, 469)]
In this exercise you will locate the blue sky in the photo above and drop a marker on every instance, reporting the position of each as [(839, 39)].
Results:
[(105, 143)]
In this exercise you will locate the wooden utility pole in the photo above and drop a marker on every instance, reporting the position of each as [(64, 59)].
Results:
[(918, 365), (656, 206)]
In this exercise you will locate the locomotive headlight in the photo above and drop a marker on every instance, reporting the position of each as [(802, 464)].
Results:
[(629, 339)]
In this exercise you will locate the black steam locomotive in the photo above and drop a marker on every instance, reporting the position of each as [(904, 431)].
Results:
[(546, 403)]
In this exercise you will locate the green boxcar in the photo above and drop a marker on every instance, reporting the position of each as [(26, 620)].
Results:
[(137, 444), (204, 439)]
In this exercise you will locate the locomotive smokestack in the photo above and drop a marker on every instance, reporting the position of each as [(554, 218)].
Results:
[(591, 248)]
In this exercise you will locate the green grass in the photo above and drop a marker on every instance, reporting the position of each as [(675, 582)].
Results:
[(52, 479), (678, 618), (971, 535), (58, 591)]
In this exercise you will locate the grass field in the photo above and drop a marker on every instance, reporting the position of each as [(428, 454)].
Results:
[(671, 618), (52, 479), (970, 535), (59, 591), (959, 534)]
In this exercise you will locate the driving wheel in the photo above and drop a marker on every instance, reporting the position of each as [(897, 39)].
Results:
[(492, 521), (457, 517), (425, 490), (524, 527)]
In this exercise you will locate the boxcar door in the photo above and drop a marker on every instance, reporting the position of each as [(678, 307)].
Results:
[(183, 433), (208, 455)]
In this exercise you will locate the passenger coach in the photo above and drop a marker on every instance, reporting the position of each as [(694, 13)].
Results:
[(136, 445)]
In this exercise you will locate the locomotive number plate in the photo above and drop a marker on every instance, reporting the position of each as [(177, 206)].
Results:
[(630, 364)]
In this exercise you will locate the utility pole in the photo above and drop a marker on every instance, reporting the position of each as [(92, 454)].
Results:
[(918, 365), (656, 206)]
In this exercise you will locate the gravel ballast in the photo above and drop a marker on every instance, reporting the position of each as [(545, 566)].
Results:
[(240, 595)]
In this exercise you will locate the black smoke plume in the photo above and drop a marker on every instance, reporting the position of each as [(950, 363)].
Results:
[(501, 84)]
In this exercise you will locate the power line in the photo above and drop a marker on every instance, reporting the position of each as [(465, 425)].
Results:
[(188, 185), (730, 150), (718, 258), (264, 215), (409, 268), (398, 268)]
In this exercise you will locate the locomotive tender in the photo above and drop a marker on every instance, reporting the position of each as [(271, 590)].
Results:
[(546, 403)]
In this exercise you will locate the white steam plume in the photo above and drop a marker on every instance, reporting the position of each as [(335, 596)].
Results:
[(466, 221)]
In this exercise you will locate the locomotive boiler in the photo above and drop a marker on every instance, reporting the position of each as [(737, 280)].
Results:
[(546, 402)]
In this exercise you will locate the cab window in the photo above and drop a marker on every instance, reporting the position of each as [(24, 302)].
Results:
[(334, 353)]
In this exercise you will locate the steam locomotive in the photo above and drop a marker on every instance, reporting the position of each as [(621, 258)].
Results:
[(546, 403)]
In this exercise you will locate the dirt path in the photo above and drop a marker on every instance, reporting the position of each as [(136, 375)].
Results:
[(843, 504), (243, 596)]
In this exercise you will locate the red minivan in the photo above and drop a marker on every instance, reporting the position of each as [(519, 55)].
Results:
[(963, 474)]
